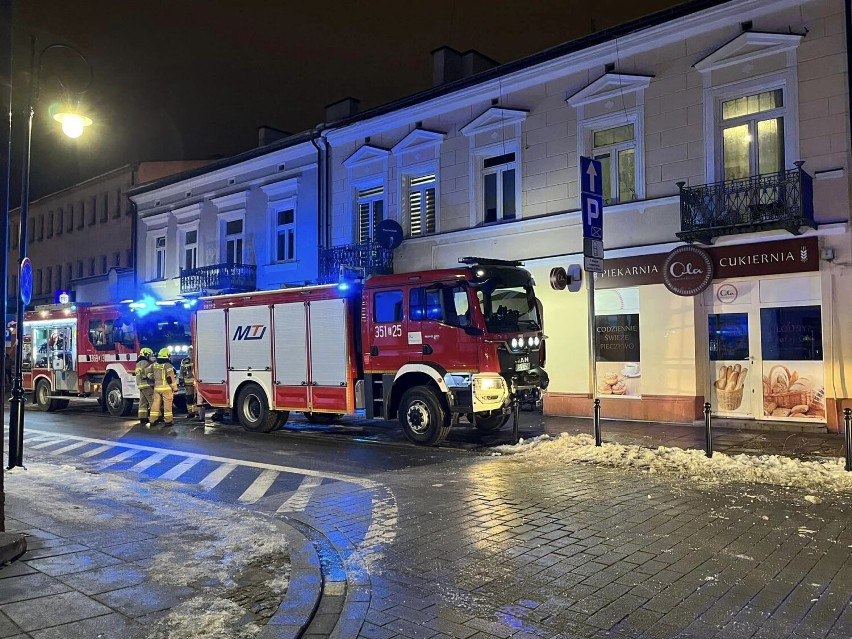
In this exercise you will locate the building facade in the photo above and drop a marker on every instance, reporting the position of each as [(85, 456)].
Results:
[(723, 135), (241, 224), (80, 239)]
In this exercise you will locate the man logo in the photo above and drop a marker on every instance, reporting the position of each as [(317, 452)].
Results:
[(249, 332)]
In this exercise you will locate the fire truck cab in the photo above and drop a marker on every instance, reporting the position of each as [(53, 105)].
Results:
[(80, 351), (426, 348)]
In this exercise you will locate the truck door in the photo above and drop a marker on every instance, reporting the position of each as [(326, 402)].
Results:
[(250, 352), (446, 313), (392, 339)]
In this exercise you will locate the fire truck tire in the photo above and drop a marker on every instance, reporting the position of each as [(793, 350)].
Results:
[(42, 398), (253, 410), (491, 424), (321, 418), (115, 402), (423, 417)]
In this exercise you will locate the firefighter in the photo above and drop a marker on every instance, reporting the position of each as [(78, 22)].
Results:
[(187, 373), (144, 382), (165, 385)]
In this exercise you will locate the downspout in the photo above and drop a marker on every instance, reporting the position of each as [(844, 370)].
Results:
[(133, 228), (322, 203), (848, 10)]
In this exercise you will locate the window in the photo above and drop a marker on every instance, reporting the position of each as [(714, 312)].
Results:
[(50, 224), (31, 231), (116, 212), (448, 305), (93, 210), (190, 250), (617, 342), (615, 147), (38, 282), (234, 242), (103, 263), (79, 268), (69, 219), (752, 134), (105, 207), (116, 259), (128, 258), (60, 224), (285, 235), (48, 279), (499, 189), (421, 205), (371, 206), (160, 258), (387, 306), (81, 214), (68, 274), (91, 266), (40, 228)]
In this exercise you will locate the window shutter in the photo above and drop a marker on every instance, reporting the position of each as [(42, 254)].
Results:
[(415, 213), (363, 221), (429, 212)]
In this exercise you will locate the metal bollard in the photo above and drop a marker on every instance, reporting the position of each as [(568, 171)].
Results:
[(847, 417), (515, 427), (708, 435), (597, 422)]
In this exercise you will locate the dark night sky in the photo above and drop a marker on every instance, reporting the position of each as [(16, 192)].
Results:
[(188, 80)]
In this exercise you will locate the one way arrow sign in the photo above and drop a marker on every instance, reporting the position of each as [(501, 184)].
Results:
[(591, 199)]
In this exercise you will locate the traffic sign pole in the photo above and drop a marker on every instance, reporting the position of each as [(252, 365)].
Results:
[(591, 204)]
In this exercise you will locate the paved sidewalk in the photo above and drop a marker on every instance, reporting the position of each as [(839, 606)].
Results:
[(108, 557)]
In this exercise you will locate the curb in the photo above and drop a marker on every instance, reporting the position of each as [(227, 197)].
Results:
[(12, 546), (303, 592)]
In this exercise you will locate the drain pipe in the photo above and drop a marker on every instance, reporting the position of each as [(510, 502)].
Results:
[(322, 185)]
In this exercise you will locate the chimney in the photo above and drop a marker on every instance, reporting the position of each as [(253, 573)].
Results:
[(342, 109), (269, 134), (449, 65), (446, 65), (474, 62)]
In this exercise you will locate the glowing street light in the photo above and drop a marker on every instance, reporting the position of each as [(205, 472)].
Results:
[(73, 125)]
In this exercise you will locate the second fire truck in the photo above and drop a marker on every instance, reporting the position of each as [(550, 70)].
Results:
[(426, 348)]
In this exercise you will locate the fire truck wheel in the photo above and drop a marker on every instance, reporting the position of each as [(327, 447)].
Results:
[(115, 402), (42, 397), (491, 424), (253, 410), (423, 417), (321, 418)]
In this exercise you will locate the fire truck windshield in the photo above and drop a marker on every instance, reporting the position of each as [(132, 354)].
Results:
[(164, 329), (508, 308)]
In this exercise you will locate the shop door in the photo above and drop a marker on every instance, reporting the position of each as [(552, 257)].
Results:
[(733, 362)]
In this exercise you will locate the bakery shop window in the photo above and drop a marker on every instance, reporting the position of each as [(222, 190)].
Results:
[(617, 343), (791, 333)]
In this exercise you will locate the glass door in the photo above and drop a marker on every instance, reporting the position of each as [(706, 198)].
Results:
[(732, 362)]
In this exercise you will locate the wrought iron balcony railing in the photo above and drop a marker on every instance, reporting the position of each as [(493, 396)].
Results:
[(368, 256), (222, 278), (781, 200)]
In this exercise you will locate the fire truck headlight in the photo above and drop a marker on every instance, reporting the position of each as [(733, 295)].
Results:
[(530, 341), (514, 342), (537, 341), (489, 388)]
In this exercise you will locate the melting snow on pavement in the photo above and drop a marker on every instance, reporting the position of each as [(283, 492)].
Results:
[(687, 464)]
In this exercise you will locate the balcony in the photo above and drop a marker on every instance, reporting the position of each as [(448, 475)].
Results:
[(369, 257), (761, 203), (218, 278)]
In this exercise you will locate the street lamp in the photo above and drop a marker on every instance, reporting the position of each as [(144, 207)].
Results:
[(73, 125)]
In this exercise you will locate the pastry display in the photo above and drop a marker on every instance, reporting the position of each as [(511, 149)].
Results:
[(614, 383), (786, 393), (619, 388), (729, 384)]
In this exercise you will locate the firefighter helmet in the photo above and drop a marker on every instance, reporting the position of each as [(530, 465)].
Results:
[(146, 352), (164, 353)]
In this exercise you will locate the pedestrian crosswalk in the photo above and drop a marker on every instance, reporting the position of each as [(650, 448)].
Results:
[(276, 488)]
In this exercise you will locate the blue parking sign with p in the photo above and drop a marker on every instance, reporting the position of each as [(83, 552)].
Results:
[(591, 197)]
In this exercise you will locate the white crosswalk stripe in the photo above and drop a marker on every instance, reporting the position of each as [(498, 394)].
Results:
[(116, 459), (50, 442), (148, 462), (96, 451), (214, 478), (70, 447), (299, 500), (180, 469), (259, 487)]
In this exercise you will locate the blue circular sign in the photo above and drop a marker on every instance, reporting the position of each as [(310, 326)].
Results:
[(389, 234), (26, 282)]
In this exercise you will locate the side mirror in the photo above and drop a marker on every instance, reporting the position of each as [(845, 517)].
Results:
[(473, 330)]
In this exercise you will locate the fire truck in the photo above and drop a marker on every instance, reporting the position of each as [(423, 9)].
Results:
[(81, 351), (426, 348)]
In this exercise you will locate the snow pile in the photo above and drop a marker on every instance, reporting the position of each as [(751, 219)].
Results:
[(688, 464), (209, 546)]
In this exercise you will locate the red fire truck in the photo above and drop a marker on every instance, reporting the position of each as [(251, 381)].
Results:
[(82, 351), (425, 348)]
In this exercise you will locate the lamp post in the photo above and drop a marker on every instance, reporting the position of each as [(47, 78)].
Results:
[(73, 125)]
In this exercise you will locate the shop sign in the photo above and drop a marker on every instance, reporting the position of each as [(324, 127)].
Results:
[(687, 271), (727, 294), (743, 260)]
